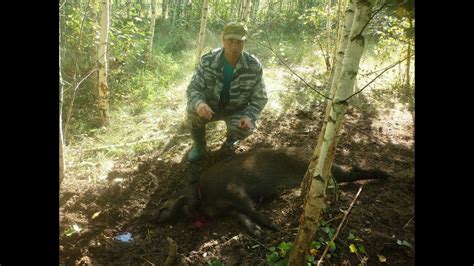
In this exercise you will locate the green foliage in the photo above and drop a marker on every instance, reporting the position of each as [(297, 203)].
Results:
[(127, 43), (279, 255), (356, 246), (141, 85), (315, 19), (214, 262), (389, 34)]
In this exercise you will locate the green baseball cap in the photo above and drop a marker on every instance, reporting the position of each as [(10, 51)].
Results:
[(235, 30)]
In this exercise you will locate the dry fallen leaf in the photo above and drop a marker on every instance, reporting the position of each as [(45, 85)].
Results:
[(95, 215), (382, 258)]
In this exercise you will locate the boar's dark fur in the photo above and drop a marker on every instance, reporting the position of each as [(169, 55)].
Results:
[(233, 186)]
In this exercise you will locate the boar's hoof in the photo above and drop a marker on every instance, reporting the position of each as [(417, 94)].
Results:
[(164, 215), (257, 233), (274, 226)]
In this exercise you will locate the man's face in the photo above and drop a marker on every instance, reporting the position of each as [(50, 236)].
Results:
[(233, 46)]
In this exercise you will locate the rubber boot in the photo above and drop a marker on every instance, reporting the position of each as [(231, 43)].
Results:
[(231, 142), (199, 144)]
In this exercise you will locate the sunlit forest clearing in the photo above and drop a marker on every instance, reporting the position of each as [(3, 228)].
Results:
[(122, 159)]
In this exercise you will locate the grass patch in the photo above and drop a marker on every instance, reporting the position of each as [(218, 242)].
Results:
[(148, 108)]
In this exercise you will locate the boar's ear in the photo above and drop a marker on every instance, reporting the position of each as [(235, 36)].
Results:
[(171, 209)]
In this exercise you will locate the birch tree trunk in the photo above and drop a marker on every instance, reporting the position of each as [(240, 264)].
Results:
[(184, 11), (103, 88), (407, 70), (342, 45), (341, 5), (164, 9), (246, 12), (315, 199), (175, 14), (152, 28), (328, 32), (61, 140), (205, 7), (255, 6)]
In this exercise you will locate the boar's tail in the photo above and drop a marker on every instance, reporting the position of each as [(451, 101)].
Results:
[(355, 173)]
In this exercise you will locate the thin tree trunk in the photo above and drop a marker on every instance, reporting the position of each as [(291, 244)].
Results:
[(164, 9), (103, 88), (152, 28), (407, 70), (201, 31), (184, 5), (246, 12), (341, 4), (315, 199), (171, 4), (328, 32), (61, 140), (129, 6), (240, 9), (75, 84), (175, 14), (255, 6), (343, 41)]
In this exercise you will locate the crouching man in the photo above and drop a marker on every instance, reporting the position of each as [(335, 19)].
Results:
[(228, 85)]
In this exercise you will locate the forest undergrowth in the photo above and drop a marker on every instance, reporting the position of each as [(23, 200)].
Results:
[(104, 163)]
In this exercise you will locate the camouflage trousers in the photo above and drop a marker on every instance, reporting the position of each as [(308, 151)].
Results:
[(194, 121)]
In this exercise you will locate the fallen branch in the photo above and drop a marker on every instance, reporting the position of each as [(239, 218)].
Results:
[(269, 46), (172, 253), (387, 68), (258, 242), (126, 144), (151, 263), (340, 226), (408, 222)]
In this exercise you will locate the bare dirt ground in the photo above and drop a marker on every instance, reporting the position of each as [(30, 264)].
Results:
[(382, 219)]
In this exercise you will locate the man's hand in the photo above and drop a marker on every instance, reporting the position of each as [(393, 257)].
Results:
[(204, 111), (245, 123)]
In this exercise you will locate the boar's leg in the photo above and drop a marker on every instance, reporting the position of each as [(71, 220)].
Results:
[(242, 202), (172, 209), (253, 228), (343, 174), (178, 206)]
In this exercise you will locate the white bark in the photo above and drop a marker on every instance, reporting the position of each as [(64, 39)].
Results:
[(103, 88), (246, 13), (61, 140), (164, 9), (341, 5), (205, 7), (328, 27), (152, 27), (315, 200), (407, 69), (342, 45), (175, 13), (255, 6)]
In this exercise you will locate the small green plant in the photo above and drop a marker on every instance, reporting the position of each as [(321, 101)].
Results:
[(215, 262), (357, 248), (279, 255)]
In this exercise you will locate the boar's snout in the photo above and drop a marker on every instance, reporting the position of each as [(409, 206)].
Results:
[(172, 209)]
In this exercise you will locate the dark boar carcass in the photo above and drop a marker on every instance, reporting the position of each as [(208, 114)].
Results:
[(234, 185)]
